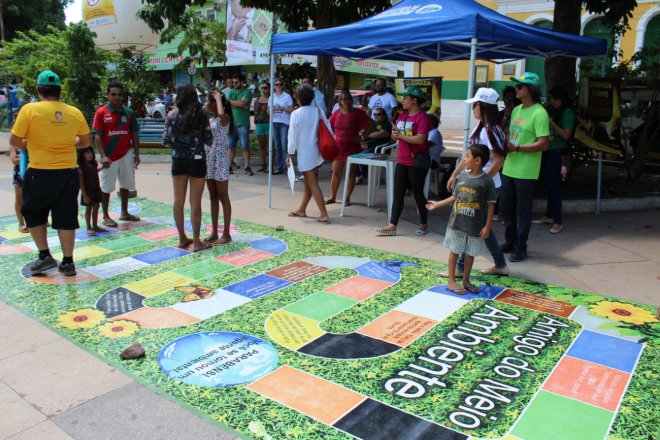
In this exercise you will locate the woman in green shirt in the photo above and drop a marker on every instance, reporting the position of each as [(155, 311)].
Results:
[(562, 124)]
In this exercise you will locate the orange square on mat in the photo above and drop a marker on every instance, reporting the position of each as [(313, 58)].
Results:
[(311, 395), (588, 382), (157, 317), (159, 234), (244, 257), (397, 327), (10, 249), (358, 288)]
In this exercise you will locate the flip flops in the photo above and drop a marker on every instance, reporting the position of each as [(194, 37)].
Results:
[(110, 222), (386, 232), (471, 288), (330, 201), (130, 218), (295, 214), (458, 290)]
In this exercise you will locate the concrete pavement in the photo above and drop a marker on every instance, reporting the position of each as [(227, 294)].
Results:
[(51, 389)]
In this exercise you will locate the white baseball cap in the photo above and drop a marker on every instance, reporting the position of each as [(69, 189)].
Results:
[(484, 94)]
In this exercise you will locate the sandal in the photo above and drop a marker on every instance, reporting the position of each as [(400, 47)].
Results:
[(130, 218), (330, 201), (458, 290), (471, 288), (386, 232), (110, 222)]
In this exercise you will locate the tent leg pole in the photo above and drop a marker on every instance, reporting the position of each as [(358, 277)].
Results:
[(468, 108), (270, 120), (599, 181)]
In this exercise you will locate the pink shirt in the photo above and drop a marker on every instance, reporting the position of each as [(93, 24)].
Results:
[(420, 123)]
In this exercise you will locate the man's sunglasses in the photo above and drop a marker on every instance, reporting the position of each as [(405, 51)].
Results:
[(116, 94)]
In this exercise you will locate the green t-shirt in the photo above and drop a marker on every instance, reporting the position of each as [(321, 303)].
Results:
[(565, 120), (527, 125), (241, 115)]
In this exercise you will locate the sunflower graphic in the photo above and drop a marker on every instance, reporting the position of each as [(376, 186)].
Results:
[(118, 329), (622, 312), (84, 318)]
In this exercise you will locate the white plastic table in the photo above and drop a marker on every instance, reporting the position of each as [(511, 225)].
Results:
[(388, 164)]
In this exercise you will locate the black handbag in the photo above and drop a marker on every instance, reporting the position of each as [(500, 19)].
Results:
[(422, 161)]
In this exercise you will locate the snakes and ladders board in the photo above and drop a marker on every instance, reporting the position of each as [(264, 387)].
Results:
[(284, 335)]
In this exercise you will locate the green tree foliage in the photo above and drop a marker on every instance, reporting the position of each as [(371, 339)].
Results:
[(203, 40), (35, 15), (138, 78), (85, 67), (615, 14), (31, 52)]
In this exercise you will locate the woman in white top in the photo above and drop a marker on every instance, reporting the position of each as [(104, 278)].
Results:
[(281, 106), (303, 141), (488, 132)]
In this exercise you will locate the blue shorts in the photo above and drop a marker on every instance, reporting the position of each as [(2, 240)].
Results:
[(242, 134)]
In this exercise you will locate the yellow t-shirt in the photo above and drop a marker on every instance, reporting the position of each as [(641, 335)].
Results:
[(50, 128)]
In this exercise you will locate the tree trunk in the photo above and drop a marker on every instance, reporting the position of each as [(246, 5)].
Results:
[(207, 77), (561, 70), (325, 66)]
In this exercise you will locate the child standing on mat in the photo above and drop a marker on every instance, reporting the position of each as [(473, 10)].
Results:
[(474, 198), (90, 189)]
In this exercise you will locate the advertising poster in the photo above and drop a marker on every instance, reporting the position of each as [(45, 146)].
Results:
[(432, 88), (99, 12), (599, 115), (240, 26)]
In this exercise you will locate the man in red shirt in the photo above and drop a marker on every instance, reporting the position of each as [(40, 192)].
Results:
[(116, 129)]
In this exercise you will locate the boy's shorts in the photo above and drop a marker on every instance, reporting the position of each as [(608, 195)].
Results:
[(54, 192)]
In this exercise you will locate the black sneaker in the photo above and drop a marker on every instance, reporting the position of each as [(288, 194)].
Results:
[(507, 247), (41, 266), (235, 165), (518, 256), (248, 171), (231, 170), (69, 269)]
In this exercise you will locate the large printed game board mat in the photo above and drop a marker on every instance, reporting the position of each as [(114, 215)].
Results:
[(283, 335)]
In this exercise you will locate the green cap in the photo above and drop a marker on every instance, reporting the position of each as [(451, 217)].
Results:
[(528, 78), (413, 91), (48, 78)]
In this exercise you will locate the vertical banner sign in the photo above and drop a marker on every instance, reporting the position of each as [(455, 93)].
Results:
[(99, 12), (240, 27), (599, 116), (432, 88)]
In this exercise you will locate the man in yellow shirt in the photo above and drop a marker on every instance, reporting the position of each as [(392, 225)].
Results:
[(53, 131)]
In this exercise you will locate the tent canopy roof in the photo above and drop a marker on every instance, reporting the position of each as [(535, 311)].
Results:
[(437, 30)]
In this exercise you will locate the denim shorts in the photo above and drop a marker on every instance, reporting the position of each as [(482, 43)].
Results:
[(242, 134)]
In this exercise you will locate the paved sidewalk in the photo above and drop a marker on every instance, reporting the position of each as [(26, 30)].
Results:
[(51, 389)]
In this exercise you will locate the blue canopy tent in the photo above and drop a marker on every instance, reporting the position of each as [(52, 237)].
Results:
[(436, 30)]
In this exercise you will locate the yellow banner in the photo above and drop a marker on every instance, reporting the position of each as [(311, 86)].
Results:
[(99, 12)]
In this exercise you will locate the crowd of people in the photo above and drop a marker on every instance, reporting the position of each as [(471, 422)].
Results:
[(507, 152)]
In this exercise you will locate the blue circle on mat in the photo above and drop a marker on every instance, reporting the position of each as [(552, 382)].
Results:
[(218, 359)]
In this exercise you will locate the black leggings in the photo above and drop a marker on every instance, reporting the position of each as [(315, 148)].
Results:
[(406, 177)]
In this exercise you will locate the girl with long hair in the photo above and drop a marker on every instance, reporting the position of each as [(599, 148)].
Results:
[(187, 130), (490, 133), (217, 161)]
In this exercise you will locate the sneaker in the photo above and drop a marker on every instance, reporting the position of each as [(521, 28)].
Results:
[(248, 171), (518, 256), (41, 266), (69, 269), (300, 178), (496, 271), (542, 221), (507, 247), (231, 170), (235, 165)]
